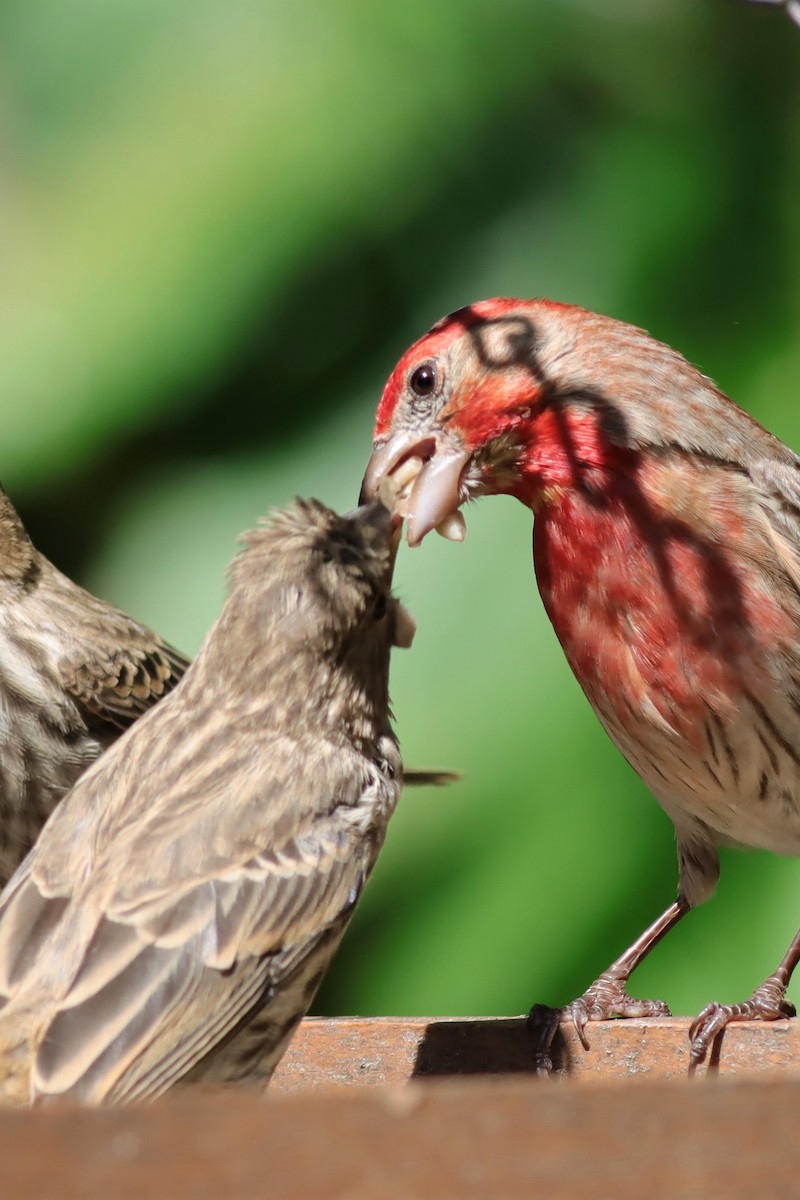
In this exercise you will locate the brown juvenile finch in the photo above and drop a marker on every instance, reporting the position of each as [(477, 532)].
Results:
[(74, 673), (667, 552), (178, 912)]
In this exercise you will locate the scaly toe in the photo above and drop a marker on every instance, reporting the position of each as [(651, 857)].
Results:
[(600, 1002), (628, 1007), (703, 1029), (766, 1004), (606, 998)]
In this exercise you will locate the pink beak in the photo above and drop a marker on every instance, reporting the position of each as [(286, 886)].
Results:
[(418, 477)]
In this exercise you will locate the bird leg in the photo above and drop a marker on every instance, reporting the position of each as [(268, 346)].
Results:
[(767, 1003), (607, 996)]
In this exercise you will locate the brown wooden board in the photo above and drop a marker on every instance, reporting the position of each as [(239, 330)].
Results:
[(468, 1140), (446, 1109), (382, 1051)]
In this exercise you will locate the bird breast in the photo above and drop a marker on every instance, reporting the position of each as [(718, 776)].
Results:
[(676, 641)]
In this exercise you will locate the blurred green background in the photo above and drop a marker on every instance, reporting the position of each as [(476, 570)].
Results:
[(222, 224)]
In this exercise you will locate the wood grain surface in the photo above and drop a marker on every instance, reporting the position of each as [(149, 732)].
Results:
[(380, 1051), (436, 1109)]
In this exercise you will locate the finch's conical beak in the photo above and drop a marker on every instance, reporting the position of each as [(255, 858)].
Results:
[(419, 479)]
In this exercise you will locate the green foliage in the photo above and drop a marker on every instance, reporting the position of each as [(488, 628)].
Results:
[(223, 223)]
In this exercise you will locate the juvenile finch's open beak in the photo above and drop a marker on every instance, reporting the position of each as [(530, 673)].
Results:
[(378, 516), (418, 477), (372, 511)]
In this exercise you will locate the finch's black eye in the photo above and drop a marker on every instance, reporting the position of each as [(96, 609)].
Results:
[(379, 612), (423, 379)]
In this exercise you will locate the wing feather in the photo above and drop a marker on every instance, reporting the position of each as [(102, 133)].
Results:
[(169, 972), (113, 666), (117, 683)]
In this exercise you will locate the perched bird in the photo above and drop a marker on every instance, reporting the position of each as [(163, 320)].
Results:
[(667, 552), (182, 904), (74, 673)]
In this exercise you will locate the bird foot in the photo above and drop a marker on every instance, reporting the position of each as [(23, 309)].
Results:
[(604, 999), (768, 1003)]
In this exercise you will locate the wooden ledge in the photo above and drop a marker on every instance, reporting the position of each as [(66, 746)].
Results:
[(509, 1139), (390, 1051), (468, 1121)]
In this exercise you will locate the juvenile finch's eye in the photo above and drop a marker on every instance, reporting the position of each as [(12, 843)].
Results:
[(423, 379)]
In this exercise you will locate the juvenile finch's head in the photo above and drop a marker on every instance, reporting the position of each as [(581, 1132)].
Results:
[(313, 590), (334, 573)]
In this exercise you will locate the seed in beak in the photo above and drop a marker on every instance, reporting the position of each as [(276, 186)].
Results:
[(394, 489)]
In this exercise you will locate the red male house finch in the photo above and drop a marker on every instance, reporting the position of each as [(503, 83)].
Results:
[(667, 552), (74, 673), (182, 904)]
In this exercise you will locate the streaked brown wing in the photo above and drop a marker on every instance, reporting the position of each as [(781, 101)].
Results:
[(118, 681), (776, 493), (113, 666), (169, 973)]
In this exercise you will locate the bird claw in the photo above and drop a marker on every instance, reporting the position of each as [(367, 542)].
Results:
[(604, 999), (768, 1003)]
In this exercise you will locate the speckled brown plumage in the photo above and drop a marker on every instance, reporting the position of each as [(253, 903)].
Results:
[(180, 907), (74, 673)]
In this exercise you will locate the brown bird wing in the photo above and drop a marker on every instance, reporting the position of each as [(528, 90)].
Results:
[(777, 488), (149, 977), (116, 668)]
